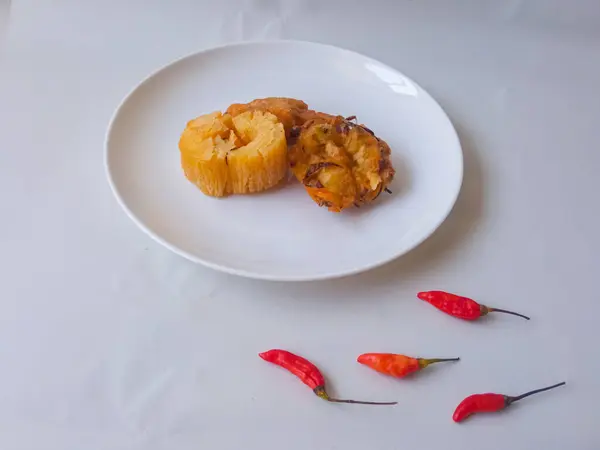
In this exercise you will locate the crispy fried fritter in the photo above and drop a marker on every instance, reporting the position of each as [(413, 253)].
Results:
[(339, 162)]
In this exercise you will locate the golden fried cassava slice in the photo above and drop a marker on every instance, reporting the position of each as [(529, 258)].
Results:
[(225, 155)]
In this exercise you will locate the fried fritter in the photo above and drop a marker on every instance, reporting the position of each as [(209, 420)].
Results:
[(339, 162)]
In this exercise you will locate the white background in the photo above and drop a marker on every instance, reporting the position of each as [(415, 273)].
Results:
[(109, 341)]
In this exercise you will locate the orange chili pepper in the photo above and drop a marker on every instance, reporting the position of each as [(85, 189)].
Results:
[(397, 365)]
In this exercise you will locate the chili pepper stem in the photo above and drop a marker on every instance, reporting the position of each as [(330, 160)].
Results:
[(485, 310), (320, 391), (511, 400), (425, 362), (337, 400), (509, 312)]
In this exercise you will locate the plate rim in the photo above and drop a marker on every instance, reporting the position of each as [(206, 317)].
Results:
[(262, 275)]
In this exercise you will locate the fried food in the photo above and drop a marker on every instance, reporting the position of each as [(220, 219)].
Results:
[(339, 162), (289, 111), (225, 155)]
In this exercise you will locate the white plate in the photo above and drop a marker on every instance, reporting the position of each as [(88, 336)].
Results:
[(281, 234)]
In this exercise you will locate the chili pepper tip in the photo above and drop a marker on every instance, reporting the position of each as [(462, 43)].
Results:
[(424, 295), (264, 355), (270, 355)]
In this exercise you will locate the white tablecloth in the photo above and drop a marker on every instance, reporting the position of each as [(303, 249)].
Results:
[(109, 341)]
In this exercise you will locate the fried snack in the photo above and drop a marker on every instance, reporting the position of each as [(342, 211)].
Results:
[(289, 111), (339, 162), (225, 155)]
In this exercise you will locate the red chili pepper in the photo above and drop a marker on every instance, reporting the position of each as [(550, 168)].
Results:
[(490, 402), (308, 373), (397, 365), (461, 307)]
